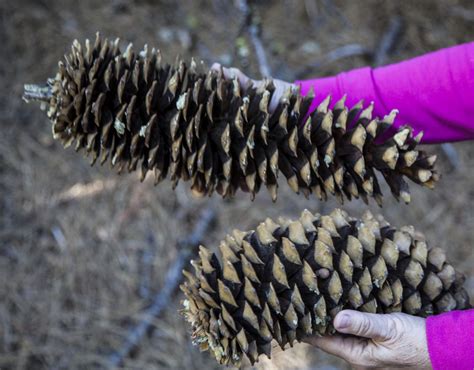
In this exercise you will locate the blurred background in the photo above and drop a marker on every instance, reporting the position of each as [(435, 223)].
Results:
[(84, 253)]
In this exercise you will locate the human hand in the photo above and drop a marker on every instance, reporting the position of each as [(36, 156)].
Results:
[(395, 339), (280, 86)]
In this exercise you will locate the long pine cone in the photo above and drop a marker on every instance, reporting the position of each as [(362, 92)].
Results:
[(175, 121), (267, 285)]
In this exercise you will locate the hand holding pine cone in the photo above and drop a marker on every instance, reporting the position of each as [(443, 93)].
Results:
[(184, 124), (265, 286)]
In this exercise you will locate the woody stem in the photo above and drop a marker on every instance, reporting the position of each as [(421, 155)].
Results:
[(40, 93)]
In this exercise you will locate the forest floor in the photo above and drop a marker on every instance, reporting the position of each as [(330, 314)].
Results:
[(84, 251)]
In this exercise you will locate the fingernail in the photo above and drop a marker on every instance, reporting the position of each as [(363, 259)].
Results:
[(343, 321)]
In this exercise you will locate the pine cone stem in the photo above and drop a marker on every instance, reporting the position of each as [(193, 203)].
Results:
[(42, 93), (267, 286), (188, 123)]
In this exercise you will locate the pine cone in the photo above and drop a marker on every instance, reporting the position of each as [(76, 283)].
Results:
[(176, 121), (266, 286)]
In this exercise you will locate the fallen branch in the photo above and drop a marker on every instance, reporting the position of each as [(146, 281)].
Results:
[(378, 55), (254, 31), (342, 52), (172, 280), (146, 266), (462, 12), (311, 10), (264, 68), (334, 11), (389, 40), (319, 12), (346, 51), (452, 154)]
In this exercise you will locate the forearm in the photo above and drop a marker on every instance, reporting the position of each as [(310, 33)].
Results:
[(450, 339), (434, 93)]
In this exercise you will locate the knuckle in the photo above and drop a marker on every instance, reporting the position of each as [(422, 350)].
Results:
[(363, 326), (392, 328), (395, 328), (236, 71)]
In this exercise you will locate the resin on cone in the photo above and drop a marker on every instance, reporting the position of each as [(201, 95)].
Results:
[(180, 122), (267, 284)]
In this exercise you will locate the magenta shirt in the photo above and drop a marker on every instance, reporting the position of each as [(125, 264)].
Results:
[(434, 92), (450, 340)]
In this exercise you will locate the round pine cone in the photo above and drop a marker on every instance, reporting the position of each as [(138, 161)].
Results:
[(185, 124), (268, 284)]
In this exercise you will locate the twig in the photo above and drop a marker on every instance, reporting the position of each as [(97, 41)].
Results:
[(388, 41), (378, 55), (84, 190), (146, 263), (58, 235), (163, 298), (334, 11), (221, 9), (37, 93), (310, 7), (345, 51), (452, 154), (254, 31), (206, 218), (264, 68), (461, 12), (320, 11)]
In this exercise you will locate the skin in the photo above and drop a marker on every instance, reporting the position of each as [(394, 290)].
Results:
[(377, 340), (365, 340), (280, 85)]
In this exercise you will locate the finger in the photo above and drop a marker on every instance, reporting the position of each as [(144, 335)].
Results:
[(281, 87), (348, 349), (227, 72), (231, 73), (368, 325), (216, 66)]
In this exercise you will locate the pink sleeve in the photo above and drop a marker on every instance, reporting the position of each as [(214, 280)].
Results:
[(434, 92), (451, 340)]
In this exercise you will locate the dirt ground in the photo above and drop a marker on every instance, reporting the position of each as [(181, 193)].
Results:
[(83, 251)]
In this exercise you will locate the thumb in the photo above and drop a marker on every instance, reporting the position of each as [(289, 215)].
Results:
[(231, 73), (368, 325)]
